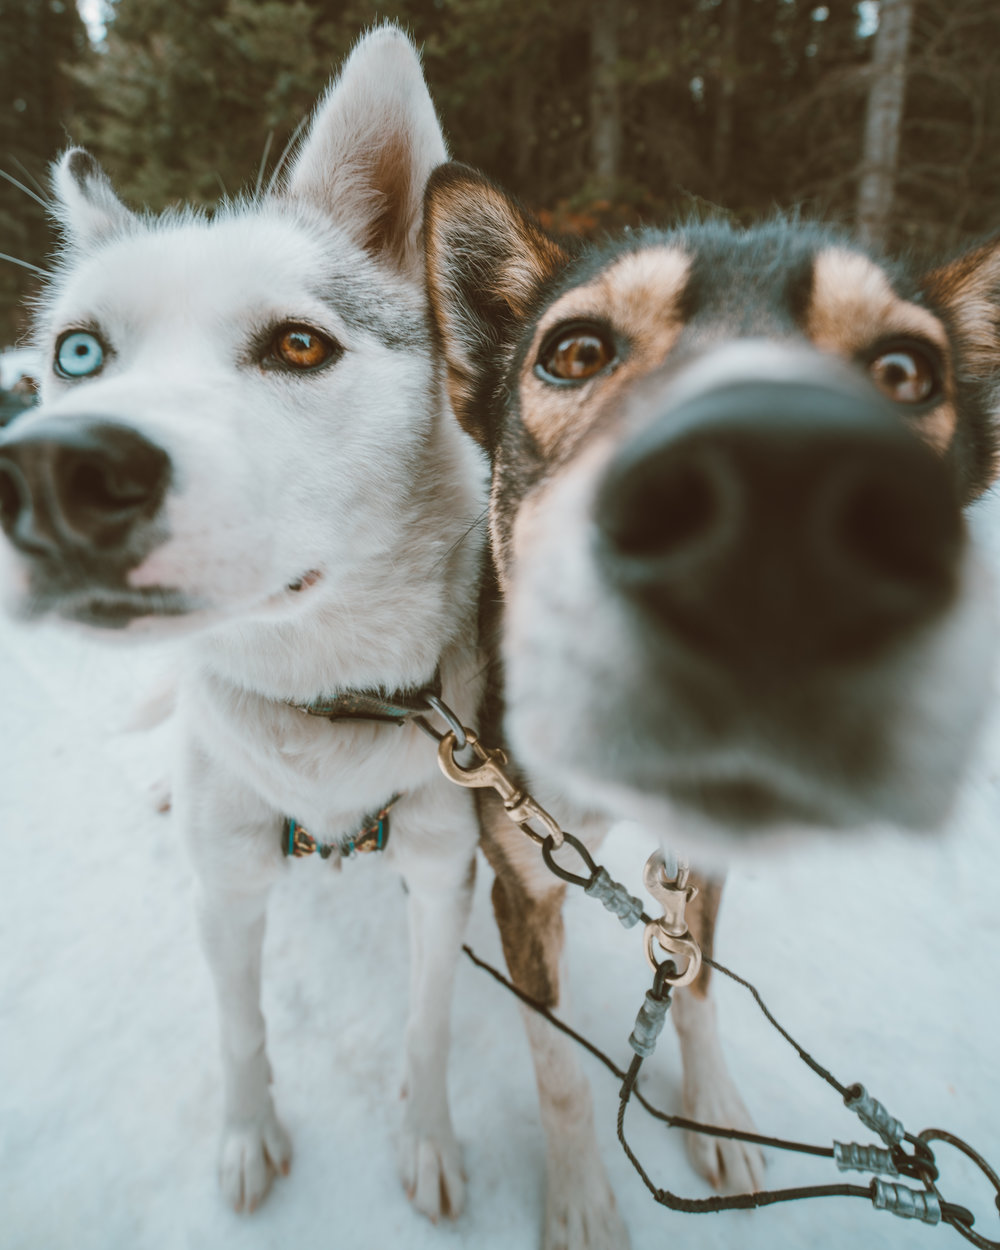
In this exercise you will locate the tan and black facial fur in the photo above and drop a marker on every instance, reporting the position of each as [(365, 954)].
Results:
[(734, 573)]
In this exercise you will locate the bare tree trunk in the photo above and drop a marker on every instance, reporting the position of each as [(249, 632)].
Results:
[(883, 121), (524, 127), (722, 144), (605, 97)]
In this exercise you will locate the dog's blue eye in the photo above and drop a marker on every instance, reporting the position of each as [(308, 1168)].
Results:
[(79, 354)]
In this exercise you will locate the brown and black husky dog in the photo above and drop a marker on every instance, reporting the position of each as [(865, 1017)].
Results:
[(735, 590)]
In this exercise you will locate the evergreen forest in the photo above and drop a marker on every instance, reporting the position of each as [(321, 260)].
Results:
[(596, 113)]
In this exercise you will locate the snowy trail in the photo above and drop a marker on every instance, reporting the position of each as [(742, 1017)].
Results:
[(881, 957)]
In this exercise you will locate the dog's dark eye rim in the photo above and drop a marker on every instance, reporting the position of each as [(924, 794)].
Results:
[(912, 346), (106, 353), (267, 353), (567, 329)]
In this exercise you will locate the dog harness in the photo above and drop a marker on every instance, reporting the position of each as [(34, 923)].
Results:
[(373, 835), (395, 708)]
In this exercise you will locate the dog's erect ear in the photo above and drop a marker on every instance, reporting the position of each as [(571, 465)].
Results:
[(85, 202), (486, 259), (370, 148), (966, 293)]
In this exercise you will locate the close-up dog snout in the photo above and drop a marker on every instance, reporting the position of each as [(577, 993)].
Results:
[(774, 525), (78, 482)]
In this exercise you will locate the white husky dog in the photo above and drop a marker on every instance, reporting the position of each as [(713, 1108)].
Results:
[(242, 440)]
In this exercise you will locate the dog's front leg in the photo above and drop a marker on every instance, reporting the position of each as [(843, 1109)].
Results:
[(234, 849), (580, 1208), (439, 882), (709, 1092), (254, 1145)]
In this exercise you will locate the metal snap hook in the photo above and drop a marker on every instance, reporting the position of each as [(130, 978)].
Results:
[(670, 932), (681, 945)]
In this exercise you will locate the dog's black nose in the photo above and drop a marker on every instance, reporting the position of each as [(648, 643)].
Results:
[(775, 525), (78, 483)]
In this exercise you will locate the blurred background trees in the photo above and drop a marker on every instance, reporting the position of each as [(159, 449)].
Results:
[(40, 42), (596, 113)]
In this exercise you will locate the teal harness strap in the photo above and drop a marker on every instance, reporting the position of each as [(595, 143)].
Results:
[(298, 842)]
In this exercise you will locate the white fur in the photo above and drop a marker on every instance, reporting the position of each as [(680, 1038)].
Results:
[(356, 471)]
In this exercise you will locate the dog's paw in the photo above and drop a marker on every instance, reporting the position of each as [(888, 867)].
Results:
[(734, 1167), (430, 1167), (249, 1157), (580, 1208), (590, 1220)]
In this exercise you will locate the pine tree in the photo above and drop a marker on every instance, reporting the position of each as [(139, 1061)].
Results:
[(948, 185), (188, 91), (739, 105), (39, 40)]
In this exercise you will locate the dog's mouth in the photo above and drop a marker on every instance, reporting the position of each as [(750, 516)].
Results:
[(729, 809), (118, 610), (745, 803), (116, 607)]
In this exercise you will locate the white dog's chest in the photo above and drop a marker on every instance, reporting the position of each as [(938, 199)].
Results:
[(326, 775)]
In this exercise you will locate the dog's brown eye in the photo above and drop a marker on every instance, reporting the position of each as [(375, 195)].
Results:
[(574, 355), (905, 374), (301, 348)]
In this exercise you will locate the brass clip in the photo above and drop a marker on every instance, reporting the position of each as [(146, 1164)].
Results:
[(528, 810), (670, 932), (488, 773)]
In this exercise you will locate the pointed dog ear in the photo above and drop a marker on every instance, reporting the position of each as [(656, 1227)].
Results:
[(966, 293), (486, 260), (86, 205), (370, 148)]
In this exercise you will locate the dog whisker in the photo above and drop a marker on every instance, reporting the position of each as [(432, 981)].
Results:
[(286, 150), (21, 187), (262, 166), (465, 535), (42, 189), (24, 264)]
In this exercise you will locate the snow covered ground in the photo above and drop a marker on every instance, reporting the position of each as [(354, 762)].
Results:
[(882, 957)]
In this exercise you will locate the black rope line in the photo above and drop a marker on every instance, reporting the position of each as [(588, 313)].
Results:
[(963, 1225), (804, 1055), (733, 1202), (548, 854), (672, 1121), (959, 1217), (920, 1165)]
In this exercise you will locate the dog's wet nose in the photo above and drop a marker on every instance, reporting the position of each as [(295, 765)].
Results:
[(774, 525), (78, 482)]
